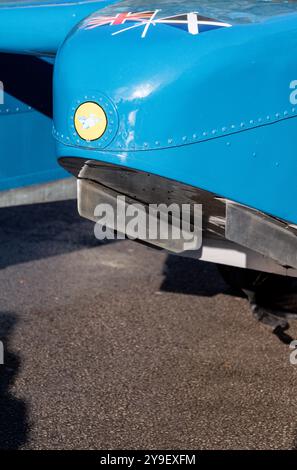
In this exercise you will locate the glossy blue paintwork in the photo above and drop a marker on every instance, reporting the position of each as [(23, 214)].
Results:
[(233, 11), (27, 148), (212, 110), (39, 27), (27, 152)]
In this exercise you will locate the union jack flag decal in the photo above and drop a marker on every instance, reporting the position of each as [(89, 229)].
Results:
[(193, 23)]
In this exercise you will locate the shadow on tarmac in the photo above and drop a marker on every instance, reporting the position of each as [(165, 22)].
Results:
[(14, 426)]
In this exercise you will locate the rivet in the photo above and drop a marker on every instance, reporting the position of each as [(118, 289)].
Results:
[(242, 124), (277, 115), (213, 131), (224, 129), (170, 141), (184, 138), (251, 121)]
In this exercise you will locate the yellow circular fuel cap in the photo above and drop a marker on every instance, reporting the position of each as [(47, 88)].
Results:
[(90, 121)]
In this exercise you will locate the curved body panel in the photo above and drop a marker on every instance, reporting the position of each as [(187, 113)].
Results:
[(27, 149), (39, 27), (214, 108), (229, 11)]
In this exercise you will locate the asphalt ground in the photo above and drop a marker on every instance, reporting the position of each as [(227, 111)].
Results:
[(118, 346)]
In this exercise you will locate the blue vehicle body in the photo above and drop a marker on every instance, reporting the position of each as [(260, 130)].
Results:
[(184, 101), (40, 26), (211, 110), (30, 35)]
